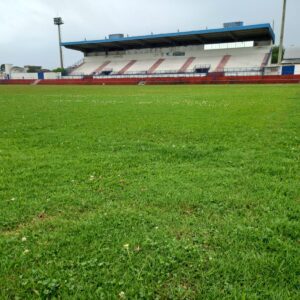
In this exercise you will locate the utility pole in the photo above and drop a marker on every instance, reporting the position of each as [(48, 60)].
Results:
[(280, 53), (58, 21)]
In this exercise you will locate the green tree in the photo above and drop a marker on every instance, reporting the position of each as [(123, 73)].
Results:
[(61, 70), (275, 53)]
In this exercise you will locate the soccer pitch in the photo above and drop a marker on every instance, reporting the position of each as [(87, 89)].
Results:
[(150, 192)]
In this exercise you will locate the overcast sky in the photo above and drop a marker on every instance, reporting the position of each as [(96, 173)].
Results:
[(28, 36)]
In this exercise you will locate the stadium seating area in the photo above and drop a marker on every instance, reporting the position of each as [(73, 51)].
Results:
[(176, 60), (229, 55)]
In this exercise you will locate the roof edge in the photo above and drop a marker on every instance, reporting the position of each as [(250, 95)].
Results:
[(184, 33)]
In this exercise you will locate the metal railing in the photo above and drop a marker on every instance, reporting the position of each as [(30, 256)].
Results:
[(206, 66), (249, 71)]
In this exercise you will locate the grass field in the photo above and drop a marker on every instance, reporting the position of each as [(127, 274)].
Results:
[(173, 192)]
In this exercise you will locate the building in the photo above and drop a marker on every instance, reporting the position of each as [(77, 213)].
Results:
[(292, 55), (234, 49), (8, 71), (291, 61)]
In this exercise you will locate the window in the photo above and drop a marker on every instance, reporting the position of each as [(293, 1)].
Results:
[(233, 45), (178, 53)]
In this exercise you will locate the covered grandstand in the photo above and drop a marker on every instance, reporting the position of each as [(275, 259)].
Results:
[(228, 55), (232, 51)]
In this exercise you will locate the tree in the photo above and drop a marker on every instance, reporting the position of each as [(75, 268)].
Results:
[(59, 70), (33, 69), (275, 53)]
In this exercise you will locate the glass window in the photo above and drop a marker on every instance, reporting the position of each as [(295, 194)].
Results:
[(233, 45)]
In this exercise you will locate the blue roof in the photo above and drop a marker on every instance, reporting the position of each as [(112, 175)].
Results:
[(239, 32)]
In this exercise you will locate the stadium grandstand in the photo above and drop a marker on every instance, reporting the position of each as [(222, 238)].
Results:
[(235, 53), (234, 49)]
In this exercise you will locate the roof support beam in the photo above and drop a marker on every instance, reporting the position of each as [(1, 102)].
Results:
[(138, 42), (200, 39), (142, 43), (168, 41), (233, 36)]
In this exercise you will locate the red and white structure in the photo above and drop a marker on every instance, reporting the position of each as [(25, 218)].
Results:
[(232, 54), (232, 49)]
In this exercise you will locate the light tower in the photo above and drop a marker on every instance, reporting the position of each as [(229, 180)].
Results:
[(280, 52), (58, 21)]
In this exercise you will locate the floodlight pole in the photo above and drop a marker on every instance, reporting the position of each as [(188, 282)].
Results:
[(58, 21), (280, 52), (60, 48)]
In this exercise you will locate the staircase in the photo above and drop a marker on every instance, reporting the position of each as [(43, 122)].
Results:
[(102, 67), (266, 59), (36, 82), (224, 61), (186, 65), (155, 66), (127, 67)]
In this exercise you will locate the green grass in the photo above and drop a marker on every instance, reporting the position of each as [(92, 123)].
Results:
[(173, 192)]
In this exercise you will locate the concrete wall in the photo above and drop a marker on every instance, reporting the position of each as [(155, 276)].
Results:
[(24, 76), (8, 68), (49, 75), (52, 75)]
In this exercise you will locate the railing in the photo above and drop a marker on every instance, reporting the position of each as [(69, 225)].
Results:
[(80, 62), (207, 66), (250, 71), (226, 72), (74, 66), (146, 73), (158, 75)]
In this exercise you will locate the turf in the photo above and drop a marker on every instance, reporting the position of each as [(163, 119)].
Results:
[(173, 192)]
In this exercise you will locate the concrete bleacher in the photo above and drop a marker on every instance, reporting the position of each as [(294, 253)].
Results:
[(87, 67), (141, 66), (164, 60)]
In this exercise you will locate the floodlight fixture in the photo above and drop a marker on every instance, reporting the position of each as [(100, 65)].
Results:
[(58, 21)]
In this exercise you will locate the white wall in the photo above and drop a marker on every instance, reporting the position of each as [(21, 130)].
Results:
[(72, 77), (24, 76), (273, 70), (8, 68), (52, 75), (297, 69)]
